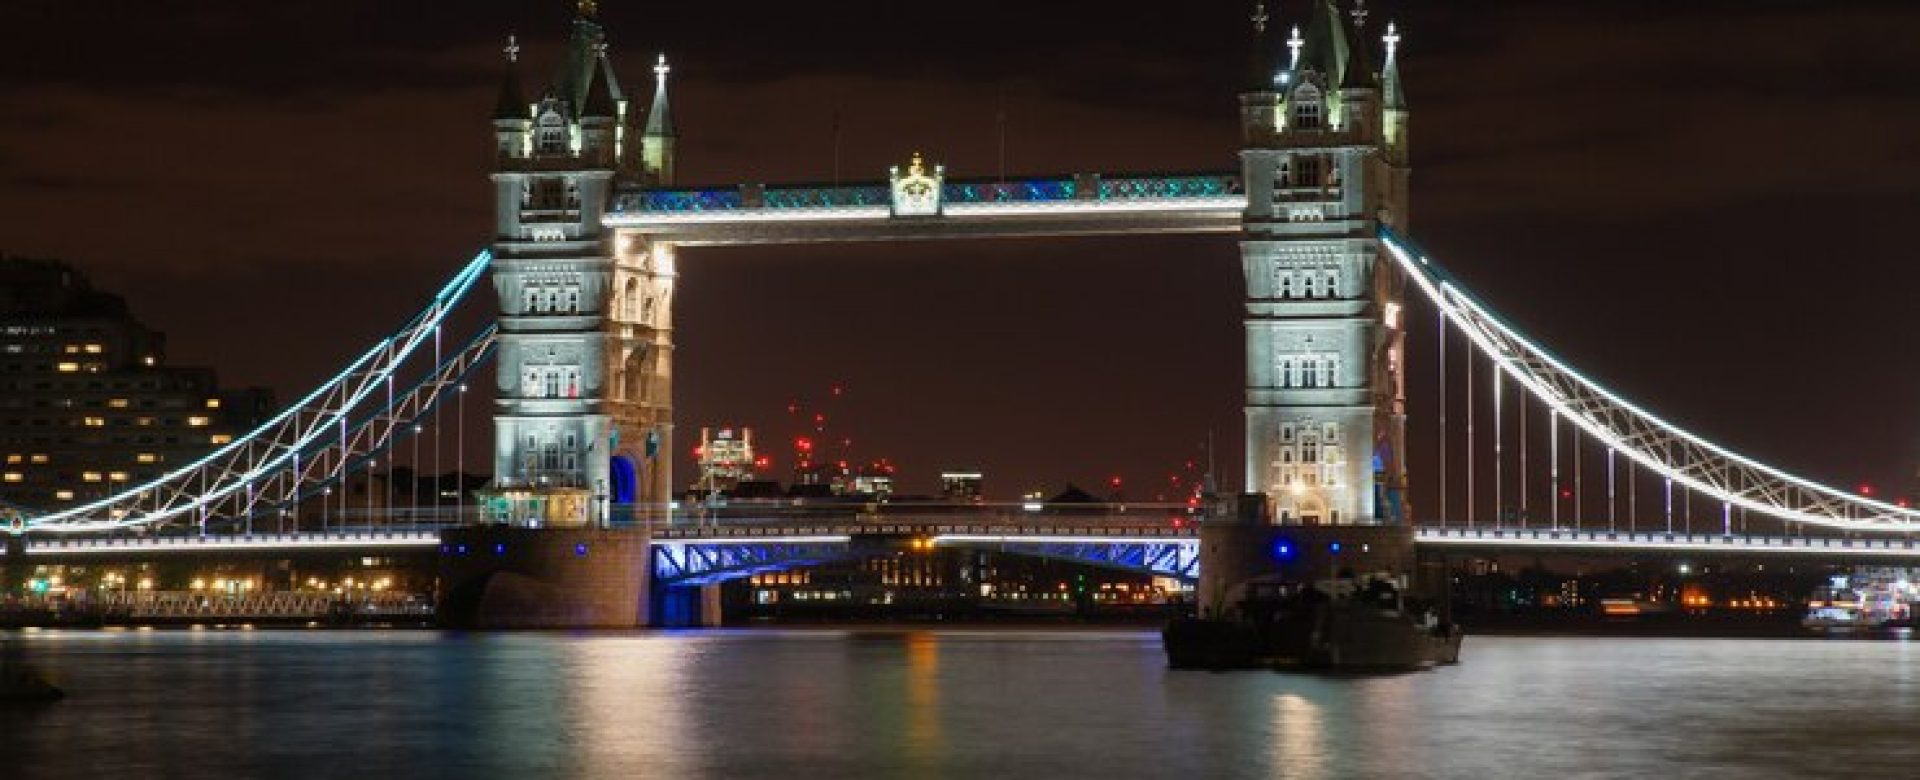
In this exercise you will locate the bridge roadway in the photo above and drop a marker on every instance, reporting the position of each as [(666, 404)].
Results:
[(1128, 541)]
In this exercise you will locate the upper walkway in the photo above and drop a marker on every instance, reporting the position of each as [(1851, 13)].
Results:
[(1061, 205)]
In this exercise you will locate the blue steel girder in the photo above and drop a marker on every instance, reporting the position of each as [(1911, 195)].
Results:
[(706, 562), (1177, 558)]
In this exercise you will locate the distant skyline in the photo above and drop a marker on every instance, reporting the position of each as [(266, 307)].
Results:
[(1703, 206)]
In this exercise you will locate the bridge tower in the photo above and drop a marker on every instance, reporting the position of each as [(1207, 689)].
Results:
[(583, 411), (1325, 164)]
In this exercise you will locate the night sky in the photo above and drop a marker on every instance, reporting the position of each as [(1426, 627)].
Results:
[(1703, 204)]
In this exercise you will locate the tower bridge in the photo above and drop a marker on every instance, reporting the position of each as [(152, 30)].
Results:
[(592, 224)]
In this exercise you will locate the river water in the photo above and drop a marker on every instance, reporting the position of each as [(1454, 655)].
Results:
[(959, 704)]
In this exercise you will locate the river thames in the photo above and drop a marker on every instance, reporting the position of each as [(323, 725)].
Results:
[(942, 703)]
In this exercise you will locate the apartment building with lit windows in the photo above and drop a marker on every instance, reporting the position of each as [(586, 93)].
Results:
[(88, 406)]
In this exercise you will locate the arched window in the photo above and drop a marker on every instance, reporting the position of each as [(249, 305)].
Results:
[(553, 383), (551, 134), (646, 312), (1286, 284), (572, 305), (1331, 283), (1309, 377), (1308, 113), (573, 383), (630, 301), (530, 297)]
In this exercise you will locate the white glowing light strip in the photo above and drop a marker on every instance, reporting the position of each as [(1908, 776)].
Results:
[(1449, 298), (1233, 205), (1740, 544), (420, 327), (1039, 539), (1222, 206), (746, 215), (216, 544), (714, 540)]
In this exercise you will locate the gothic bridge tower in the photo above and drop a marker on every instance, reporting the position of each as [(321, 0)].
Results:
[(1325, 165), (583, 422)]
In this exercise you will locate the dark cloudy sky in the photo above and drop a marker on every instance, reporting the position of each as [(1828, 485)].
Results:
[(1706, 204)]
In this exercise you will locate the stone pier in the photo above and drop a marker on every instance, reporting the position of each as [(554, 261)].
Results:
[(494, 577)]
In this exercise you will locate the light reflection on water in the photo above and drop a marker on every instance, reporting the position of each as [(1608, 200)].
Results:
[(943, 704)]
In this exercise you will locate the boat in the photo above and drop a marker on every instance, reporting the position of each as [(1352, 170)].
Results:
[(1348, 624), (1859, 603)]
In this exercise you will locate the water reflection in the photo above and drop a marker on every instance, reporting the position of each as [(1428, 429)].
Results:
[(1299, 736), (942, 704)]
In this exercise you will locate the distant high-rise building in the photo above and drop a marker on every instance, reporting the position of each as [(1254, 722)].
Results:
[(874, 479), (961, 485), (726, 459), (87, 405)]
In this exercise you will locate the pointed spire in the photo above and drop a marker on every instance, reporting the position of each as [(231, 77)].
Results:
[(1325, 47), (659, 121), (587, 9), (511, 105), (584, 53), (1359, 73), (600, 100), (1396, 96), (1260, 67)]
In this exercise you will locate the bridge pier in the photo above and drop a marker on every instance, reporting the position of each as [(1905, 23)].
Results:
[(1246, 545), (525, 578)]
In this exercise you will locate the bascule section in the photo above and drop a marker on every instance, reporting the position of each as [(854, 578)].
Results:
[(1325, 167), (583, 406)]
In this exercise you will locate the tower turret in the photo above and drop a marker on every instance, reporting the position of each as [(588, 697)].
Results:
[(599, 115), (1360, 86), (1258, 99), (657, 152), (1393, 96), (511, 114)]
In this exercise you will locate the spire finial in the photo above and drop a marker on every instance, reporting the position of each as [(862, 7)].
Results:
[(589, 8), (1359, 14), (1260, 16), (1391, 39), (512, 48), (660, 68), (1294, 44)]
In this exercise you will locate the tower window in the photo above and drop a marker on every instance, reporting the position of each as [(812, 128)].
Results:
[(1306, 109), (1306, 172)]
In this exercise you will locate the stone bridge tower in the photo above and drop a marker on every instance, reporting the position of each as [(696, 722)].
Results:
[(583, 422), (1325, 165)]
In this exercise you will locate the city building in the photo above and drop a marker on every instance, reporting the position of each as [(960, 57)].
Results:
[(726, 459), (584, 420), (961, 486), (1325, 166), (874, 479), (88, 406)]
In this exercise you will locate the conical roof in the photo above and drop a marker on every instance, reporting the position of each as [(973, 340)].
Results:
[(1325, 43), (659, 117), (511, 104), (600, 100)]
